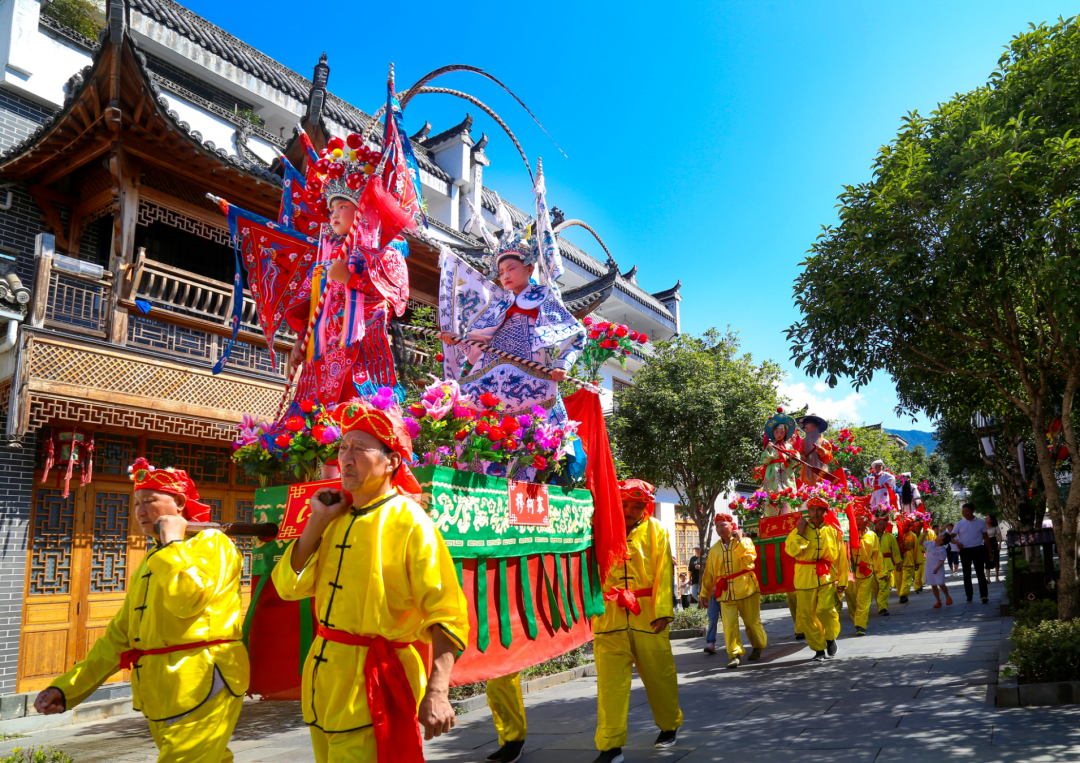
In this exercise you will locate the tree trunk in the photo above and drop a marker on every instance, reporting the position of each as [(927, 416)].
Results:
[(1064, 532), (1068, 592)]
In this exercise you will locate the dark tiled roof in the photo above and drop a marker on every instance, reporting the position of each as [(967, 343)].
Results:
[(667, 294), (460, 128)]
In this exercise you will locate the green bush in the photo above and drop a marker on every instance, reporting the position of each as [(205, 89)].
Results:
[(81, 15), (1047, 651), (1030, 614), (694, 617), (774, 598), (37, 755)]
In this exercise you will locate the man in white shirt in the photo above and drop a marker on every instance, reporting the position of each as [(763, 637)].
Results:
[(882, 485), (969, 534)]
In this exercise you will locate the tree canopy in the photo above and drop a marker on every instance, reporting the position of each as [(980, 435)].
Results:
[(693, 419), (956, 268)]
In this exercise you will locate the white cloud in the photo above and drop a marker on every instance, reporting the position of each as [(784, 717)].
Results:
[(800, 395)]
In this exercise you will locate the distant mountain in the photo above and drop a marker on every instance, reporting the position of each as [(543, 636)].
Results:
[(916, 437)]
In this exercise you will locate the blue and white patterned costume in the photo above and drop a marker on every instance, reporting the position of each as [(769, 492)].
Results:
[(536, 327)]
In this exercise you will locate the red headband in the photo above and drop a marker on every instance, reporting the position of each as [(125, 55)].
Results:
[(638, 490), (174, 481)]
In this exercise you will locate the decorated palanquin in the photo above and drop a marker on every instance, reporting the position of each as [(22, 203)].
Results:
[(524, 556), (775, 567)]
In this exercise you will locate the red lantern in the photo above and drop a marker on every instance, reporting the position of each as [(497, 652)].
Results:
[(68, 449)]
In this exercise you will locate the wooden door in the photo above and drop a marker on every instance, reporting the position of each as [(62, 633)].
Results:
[(83, 551)]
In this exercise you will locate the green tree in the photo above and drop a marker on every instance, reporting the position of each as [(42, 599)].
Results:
[(693, 419), (958, 264)]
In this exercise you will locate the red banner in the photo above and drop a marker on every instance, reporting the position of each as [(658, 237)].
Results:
[(298, 507)]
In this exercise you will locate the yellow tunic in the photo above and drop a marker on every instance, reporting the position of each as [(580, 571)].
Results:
[(737, 557), (890, 552), (814, 544), (383, 571), (870, 554), (648, 566), (183, 593)]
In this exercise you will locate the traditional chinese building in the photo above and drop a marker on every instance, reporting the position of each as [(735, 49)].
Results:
[(115, 291)]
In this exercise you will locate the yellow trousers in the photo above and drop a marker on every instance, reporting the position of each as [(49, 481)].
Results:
[(202, 736), (859, 592), (344, 747), (906, 581), (615, 653), (882, 589), (793, 608), (919, 576), (818, 620), (897, 578), (507, 707), (749, 609)]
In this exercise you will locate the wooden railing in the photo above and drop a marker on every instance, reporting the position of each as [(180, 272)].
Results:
[(78, 302)]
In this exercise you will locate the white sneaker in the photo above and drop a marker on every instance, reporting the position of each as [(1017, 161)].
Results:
[(710, 648)]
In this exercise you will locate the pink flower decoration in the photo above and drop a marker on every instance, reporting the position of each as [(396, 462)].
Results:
[(413, 428)]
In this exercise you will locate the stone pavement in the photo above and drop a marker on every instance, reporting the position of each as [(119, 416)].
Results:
[(916, 685)]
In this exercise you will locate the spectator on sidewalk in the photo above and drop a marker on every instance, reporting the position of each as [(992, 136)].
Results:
[(684, 591), (970, 536), (936, 556), (993, 533), (695, 565), (953, 552)]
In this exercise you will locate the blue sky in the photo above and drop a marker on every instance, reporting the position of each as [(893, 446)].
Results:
[(707, 142)]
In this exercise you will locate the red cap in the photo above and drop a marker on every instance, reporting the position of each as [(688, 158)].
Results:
[(175, 481)]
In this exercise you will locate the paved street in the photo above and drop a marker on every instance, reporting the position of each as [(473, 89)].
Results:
[(916, 684)]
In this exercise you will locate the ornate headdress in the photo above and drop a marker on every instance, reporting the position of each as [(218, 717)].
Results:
[(175, 481), (724, 517), (638, 490), (344, 167), (776, 420), (532, 243)]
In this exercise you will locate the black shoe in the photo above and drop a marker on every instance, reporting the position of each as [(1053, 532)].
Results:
[(495, 756), (860, 631), (903, 599), (830, 647), (986, 600), (819, 656), (918, 590), (733, 663), (511, 752), (883, 613), (800, 637), (969, 599), (667, 738), (755, 654), (614, 755)]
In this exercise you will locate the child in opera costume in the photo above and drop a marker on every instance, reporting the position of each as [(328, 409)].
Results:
[(729, 576), (633, 631), (178, 631), (383, 580)]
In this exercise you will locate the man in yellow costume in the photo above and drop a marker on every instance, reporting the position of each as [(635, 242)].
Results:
[(632, 632), (889, 550), (508, 713), (926, 534), (382, 580), (821, 572), (866, 561), (730, 578), (912, 555), (178, 631)]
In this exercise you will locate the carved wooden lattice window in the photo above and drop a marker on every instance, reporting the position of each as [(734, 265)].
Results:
[(245, 512), (50, 551), (204, 463), (114, 453), (216, 513), (108, 558)]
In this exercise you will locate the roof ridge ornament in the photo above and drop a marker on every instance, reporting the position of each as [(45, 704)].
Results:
[(116, 21)]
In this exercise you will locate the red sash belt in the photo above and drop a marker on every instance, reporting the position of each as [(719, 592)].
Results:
[(131, 656), (722, 584), (390, 697), (626, 598), (823, 566), (865, 570)]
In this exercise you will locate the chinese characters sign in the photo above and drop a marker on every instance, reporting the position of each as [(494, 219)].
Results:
[(528, 503)]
